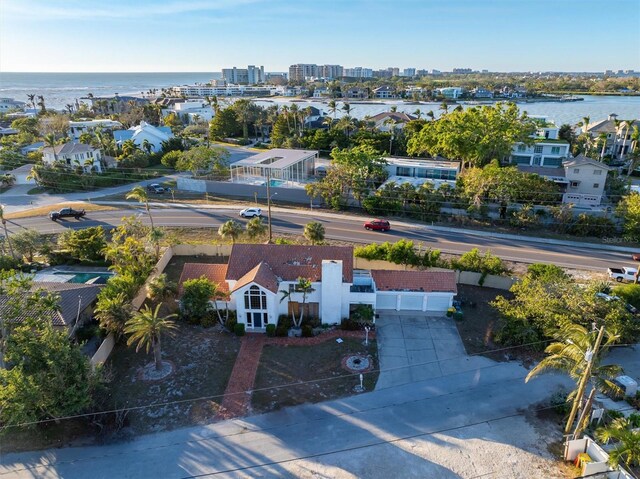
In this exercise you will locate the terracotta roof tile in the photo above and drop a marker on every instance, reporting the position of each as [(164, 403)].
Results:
[(213, 272), (424, 281), (261, 275), (289, 262)]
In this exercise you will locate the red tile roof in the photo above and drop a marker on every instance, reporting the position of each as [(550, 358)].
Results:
[(261, 275), (423, 281), (213, 272), (289, 262)]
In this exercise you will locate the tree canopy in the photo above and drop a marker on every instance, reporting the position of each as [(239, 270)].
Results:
[(474, 136)]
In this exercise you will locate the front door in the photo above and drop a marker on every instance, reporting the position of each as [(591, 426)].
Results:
[(255, 302)]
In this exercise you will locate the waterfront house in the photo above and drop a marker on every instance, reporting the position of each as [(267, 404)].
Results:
[(256, 275), (189, 111), (546, 149), (581, 179), (384, 92), (418, 171), (74, 155), (155, 135), (450, 93), (77, 128), (388, 120), (356, 93)]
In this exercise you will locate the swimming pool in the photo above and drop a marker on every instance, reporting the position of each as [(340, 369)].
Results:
[(276, 182), (84, 277)]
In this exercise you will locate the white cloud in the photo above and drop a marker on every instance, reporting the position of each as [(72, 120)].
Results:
[(36, 9)]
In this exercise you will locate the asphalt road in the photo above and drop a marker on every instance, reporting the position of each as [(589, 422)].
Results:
[(350, 229)]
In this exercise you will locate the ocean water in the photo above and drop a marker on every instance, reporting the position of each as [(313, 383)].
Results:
[(60, 89)]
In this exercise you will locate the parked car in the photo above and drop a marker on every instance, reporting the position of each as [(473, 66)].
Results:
[(636, 257), (622, 274), (156, 188), (251, 212), (377, 225), (66, 213)]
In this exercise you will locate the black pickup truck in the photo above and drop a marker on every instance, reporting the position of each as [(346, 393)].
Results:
[(66, 213)]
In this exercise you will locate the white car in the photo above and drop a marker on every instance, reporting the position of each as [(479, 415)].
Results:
[(251, 212)]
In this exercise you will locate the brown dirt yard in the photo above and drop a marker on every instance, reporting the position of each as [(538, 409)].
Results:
[(281, 365), (203, 360), (481, 321)]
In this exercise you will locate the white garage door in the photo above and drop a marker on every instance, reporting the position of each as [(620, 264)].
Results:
[(437, 303), (411, 302), (386, 301)]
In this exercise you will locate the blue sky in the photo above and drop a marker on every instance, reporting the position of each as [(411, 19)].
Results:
[(207, 35)]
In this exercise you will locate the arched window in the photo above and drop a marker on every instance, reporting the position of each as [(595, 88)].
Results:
[(255, 298)]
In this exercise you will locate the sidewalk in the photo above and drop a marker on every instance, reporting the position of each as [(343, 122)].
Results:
[(433, 228)]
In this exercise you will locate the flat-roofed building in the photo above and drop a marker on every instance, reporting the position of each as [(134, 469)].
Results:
[(276, 166)]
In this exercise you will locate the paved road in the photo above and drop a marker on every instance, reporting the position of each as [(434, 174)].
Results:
[(350, 229), (360, 436)]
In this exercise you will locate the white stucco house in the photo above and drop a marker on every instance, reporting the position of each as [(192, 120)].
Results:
[(190, 111), (77, 128), (155, 135), (546, 149), (256, 275), (74, 154)]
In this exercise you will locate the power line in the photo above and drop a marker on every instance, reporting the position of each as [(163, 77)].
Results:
[(298, 383)]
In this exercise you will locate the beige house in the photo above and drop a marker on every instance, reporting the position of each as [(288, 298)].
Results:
[(585, 181)]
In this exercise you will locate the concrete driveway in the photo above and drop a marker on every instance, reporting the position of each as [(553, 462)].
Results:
[(415, 346)]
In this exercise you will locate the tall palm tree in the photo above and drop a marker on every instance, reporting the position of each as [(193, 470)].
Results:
[(147, 146), (327, 120), (333, 108), (602, 139), (571, 354), (139, 194), (50, 141), (431, 115), (146, 328), (347, 109), (418, 113), (303, 286), (444, 107), (627, 447), (230, 229), (41, 104), (32, 99), (6, 232), (585, 123)]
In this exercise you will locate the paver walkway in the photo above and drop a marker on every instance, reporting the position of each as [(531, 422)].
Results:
[(237, 396)]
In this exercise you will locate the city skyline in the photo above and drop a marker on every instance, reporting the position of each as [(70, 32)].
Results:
[(203, 36)]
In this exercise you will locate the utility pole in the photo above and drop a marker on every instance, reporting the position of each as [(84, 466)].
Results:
[(584, 416), (269, 202), (590, 356)]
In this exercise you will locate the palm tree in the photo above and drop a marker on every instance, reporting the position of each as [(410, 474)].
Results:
[(585, 123), (444, 107), (113, 312), (7, 179), (230, 229), (314, 232), (50, 141), (347, 109), (333, 108), (255, 227), (431, 115), (6, 232), (139, 194), (32, 99), (602, 139), (147, 146), (155, 235), (41, 104), (627, 448), (303, 286), (573, 354), (146, 328), (391, 123), (418, 113), (159, 289), (327, 120), (129, 147)]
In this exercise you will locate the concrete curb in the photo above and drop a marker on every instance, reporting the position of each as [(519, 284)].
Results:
[(358, 219)]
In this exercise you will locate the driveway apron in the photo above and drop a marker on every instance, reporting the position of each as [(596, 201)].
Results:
[(414, 346)]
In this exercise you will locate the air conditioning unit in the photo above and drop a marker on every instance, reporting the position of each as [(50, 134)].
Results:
[(628, 385)]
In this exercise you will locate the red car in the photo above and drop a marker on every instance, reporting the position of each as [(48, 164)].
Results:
[(377, 225)]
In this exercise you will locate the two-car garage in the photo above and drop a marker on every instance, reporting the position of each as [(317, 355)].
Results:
[(414, 290)]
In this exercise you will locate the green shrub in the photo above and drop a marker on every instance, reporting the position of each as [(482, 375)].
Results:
[(7, 263), (480, 263), (373, 251), (363, 313), (87, 332), (284, 324), (311, 321), (307, 331), (239, 329), (271, 330), (230, 322), (629, 292), (349, 325)]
